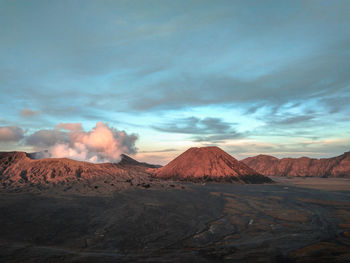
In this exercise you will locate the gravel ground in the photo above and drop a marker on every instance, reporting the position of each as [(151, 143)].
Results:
[(211, 222)]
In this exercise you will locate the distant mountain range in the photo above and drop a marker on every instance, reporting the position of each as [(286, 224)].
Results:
[(19, 170), (326, 167)]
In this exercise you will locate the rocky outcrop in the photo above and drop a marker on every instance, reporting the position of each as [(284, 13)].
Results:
[(208, 163), (327, 167)]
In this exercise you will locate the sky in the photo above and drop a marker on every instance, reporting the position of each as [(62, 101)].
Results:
[(93, 79)]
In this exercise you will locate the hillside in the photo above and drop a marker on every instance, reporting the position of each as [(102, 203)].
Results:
[(327, 167), (209, 163)]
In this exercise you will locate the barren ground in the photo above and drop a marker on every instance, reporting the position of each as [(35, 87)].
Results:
[(215, 222)]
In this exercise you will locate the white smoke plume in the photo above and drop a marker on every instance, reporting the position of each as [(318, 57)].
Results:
[(101, 144)]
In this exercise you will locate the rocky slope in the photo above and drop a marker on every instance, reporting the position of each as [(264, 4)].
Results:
[(327, 167), (18, 170), (208, 163)]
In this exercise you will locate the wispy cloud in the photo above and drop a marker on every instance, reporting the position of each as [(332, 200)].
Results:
[(194, 125), (160, 151), (206, 129), (29, 112)]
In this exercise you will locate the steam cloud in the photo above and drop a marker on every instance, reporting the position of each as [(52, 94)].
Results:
[(101, 144)]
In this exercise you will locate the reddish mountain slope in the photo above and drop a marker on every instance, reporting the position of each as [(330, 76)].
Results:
[(17, 169), (207, 162), (327, 167)]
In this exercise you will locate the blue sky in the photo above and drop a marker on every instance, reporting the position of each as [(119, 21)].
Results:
[(249, 76)]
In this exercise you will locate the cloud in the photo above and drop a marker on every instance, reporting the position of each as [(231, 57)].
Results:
[(205, 130), (194, 125), (101, 144), (46, 138), (139, 39), (291, 120), (217, 137), (10, 134), (69, 126), (160, 151), (336, 104), (29, 113), (313, 76)]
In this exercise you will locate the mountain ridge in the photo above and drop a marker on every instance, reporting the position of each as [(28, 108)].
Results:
[(20, 170), (338, 166)]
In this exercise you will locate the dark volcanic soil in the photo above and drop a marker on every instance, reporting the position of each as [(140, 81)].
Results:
[(202, 223)]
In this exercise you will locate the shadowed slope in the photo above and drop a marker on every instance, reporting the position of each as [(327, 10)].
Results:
[(210, 163)]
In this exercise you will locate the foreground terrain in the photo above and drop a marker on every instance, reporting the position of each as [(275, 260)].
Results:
[(200, 223)]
